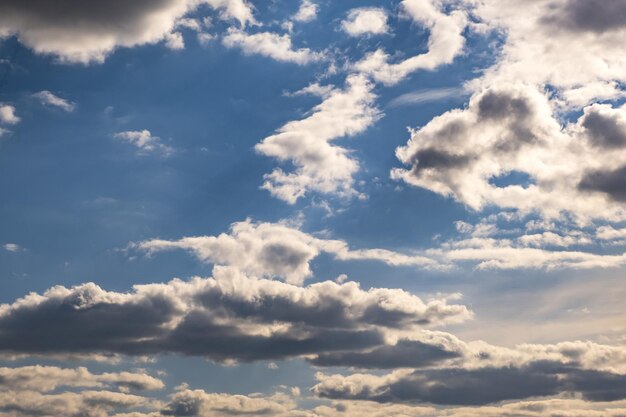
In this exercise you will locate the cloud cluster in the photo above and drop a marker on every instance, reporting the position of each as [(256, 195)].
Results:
[(228, 317), (87, 31), (477, 373), (281, 250), (48, 391), (518, 122), (510, 131)]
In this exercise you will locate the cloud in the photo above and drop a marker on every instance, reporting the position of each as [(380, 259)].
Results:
[(366, 20), (477, 373), (425, 96), (271, 45), (475, 387), (47, 391), (7, 114), (274, 250), (88, 31), (319, 165), (200, 403), (49, 378), (404, 354), (230, 317), (144, 142), (278, 250), (445, 43), (589, 16), (307, 12), (49, 99), (511, 130), (590, 65), (12, 247)]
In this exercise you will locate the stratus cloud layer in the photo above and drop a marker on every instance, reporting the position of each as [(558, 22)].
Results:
[(87, 31)]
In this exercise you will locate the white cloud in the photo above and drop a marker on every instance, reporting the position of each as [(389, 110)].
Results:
[(366, 20), (586, 69), (446, 41), (271, 45), (307, 12), (144, 142), (319, 165), (174, 40), (7, 114), (12, 247), (48, 98), (88, 31), (275, 250)]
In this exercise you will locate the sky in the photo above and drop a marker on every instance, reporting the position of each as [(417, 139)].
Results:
[(312, 208)]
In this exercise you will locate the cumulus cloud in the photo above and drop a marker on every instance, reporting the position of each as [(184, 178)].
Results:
[(49, 99), (228, 317), (271, 45), (307, 12), (87, 31), (366, 20), (446, 41), (144, 142), (511, 130), (274, 250), (319, 165), (7, 114)]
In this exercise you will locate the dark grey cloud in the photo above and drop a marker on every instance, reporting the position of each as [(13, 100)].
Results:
[(597, 16), (438, 159), (610, 182), (480, 386), (404, 354), (604, 130), (498, 105), (229, 318)]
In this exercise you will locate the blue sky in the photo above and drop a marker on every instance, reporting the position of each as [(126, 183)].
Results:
[(368, 205)]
